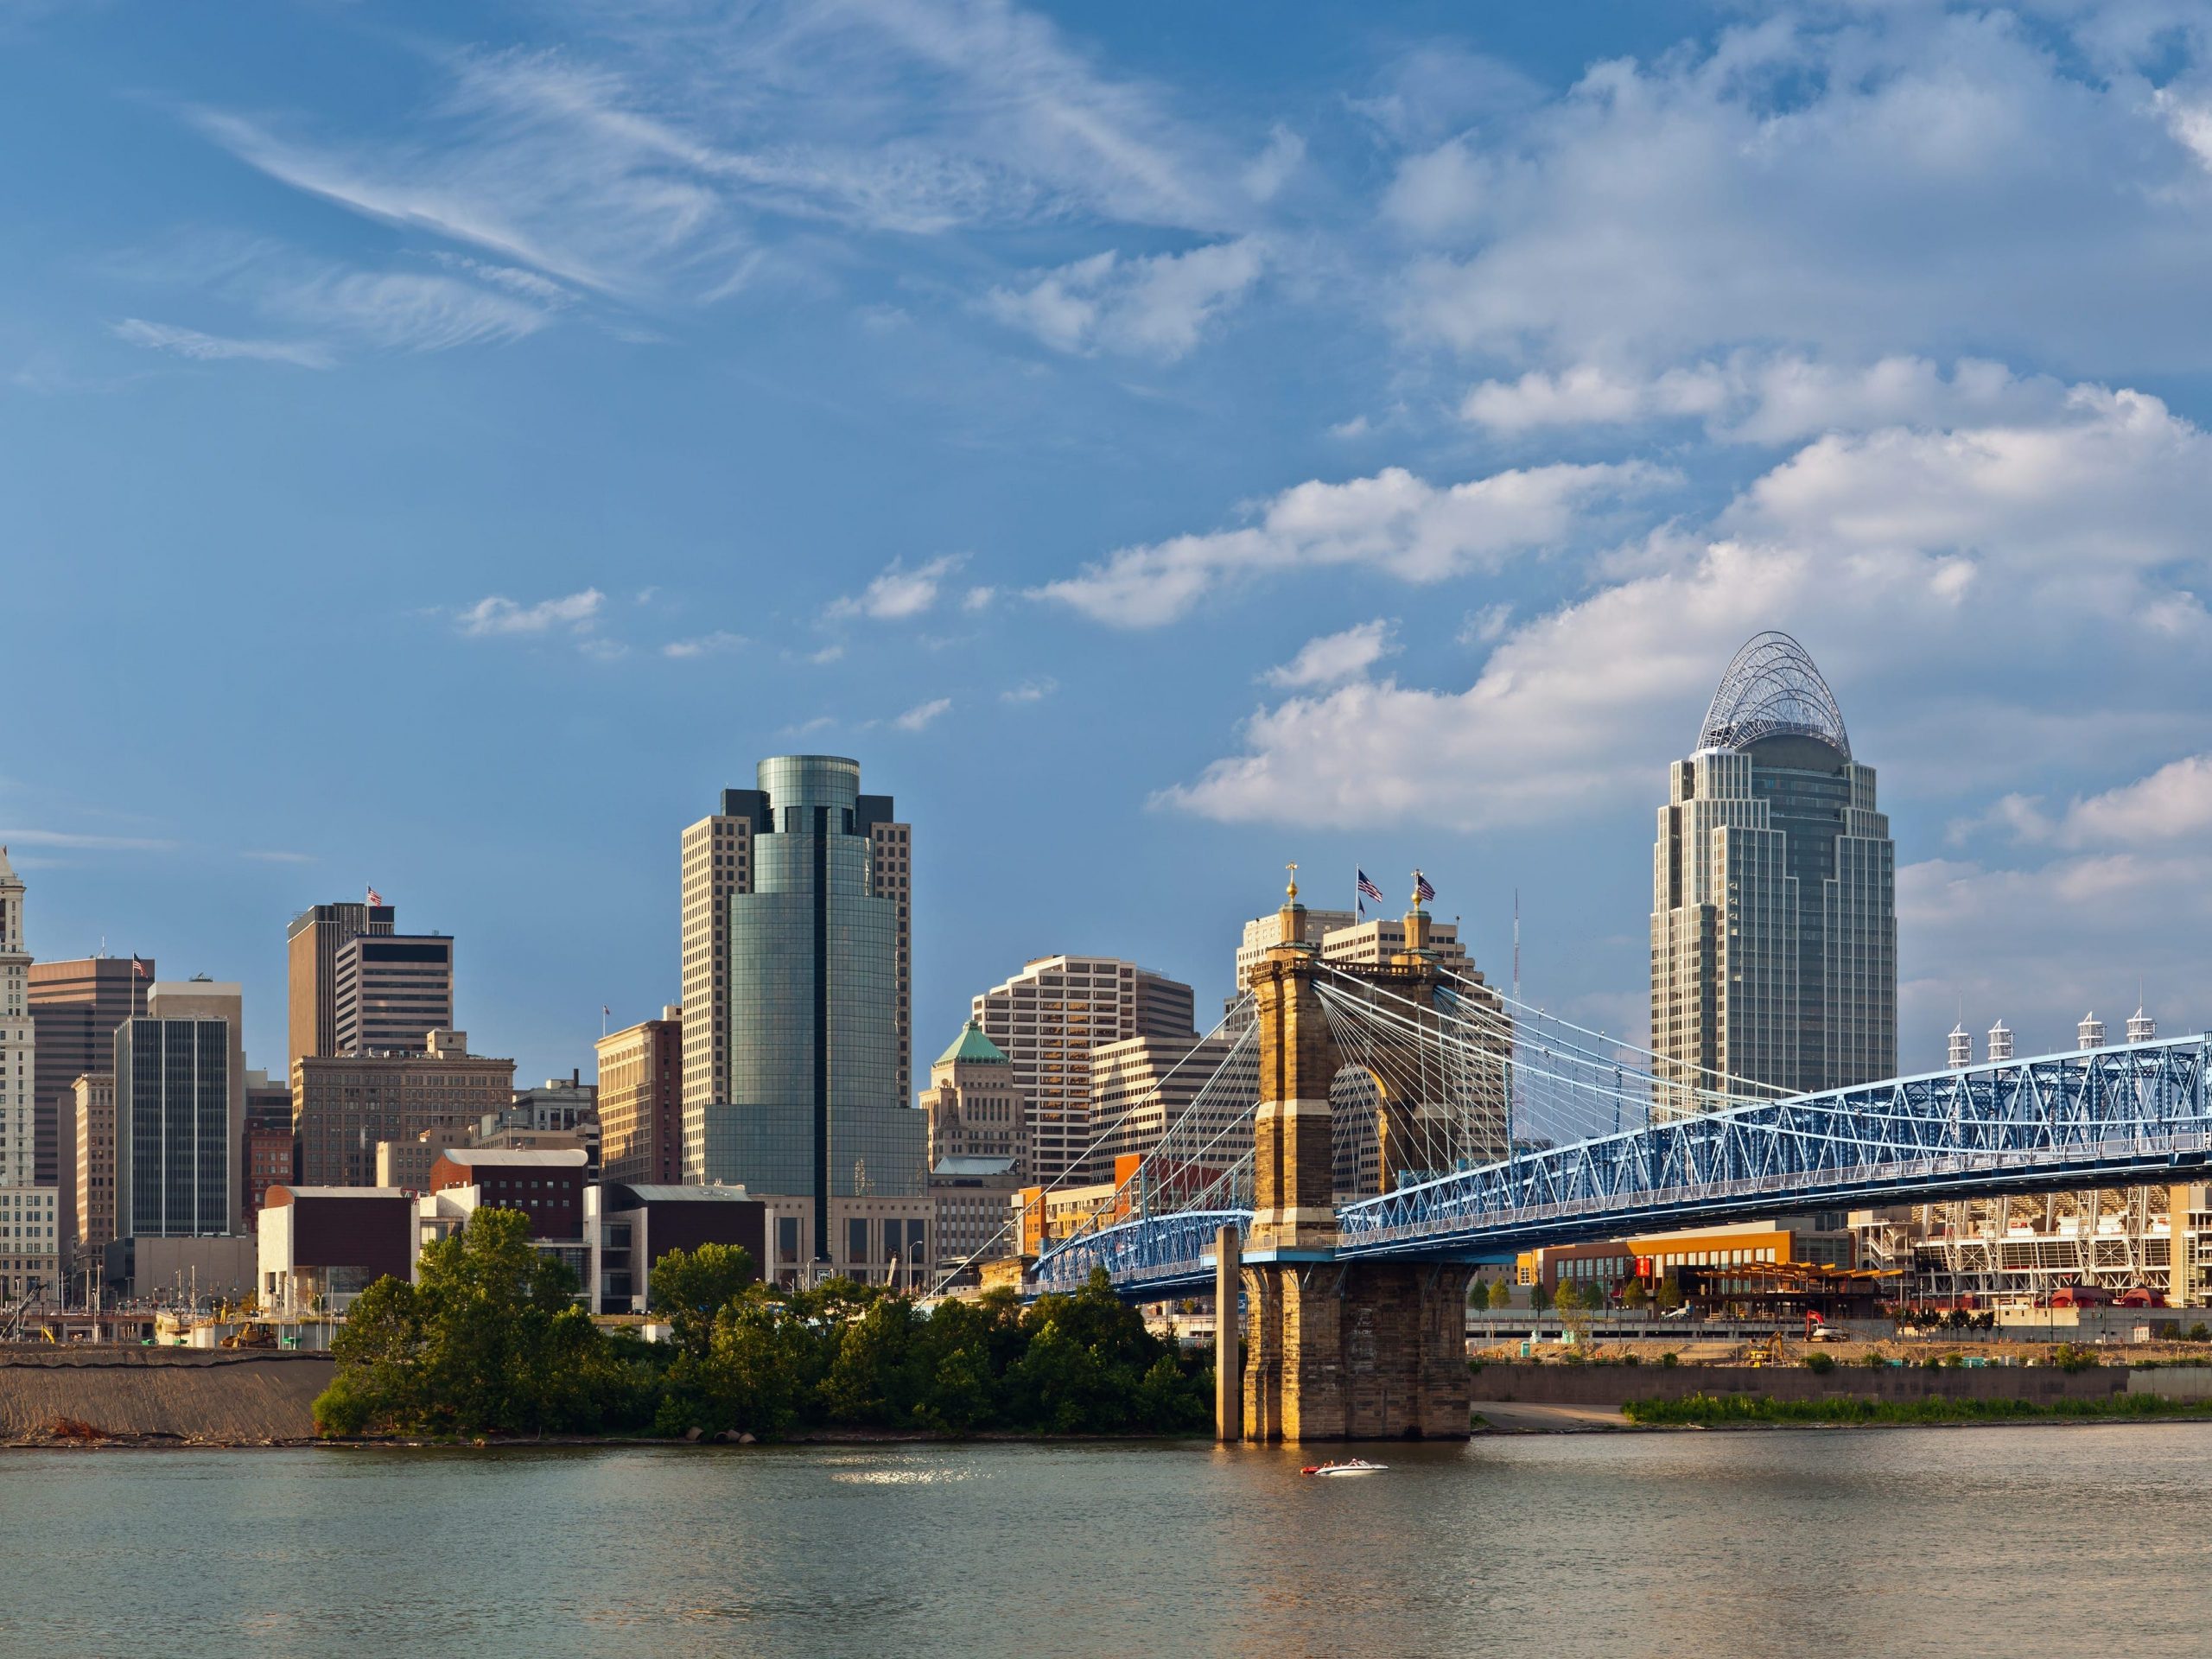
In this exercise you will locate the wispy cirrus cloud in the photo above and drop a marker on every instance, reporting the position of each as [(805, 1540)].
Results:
[(214, 348)]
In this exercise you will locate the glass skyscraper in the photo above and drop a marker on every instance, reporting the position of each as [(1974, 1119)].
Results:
[(1774, 892), (812, 1098)]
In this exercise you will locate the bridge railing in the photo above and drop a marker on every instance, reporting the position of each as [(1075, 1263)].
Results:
[(1158, 1250), (2079, 1118)]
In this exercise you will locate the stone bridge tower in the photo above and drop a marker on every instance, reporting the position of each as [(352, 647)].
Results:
[(1337, 1350)]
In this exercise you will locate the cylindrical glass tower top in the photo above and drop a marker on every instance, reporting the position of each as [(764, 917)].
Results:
[(791, 781)]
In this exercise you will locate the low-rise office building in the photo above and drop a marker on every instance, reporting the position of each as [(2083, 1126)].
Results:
[(975, 1222), (319, 1247), (633, 1226), (548, 1187)]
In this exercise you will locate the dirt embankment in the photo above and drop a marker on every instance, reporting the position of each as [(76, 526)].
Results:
[(175, 1395)]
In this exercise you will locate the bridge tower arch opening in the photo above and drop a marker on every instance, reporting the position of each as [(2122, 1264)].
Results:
[(1339, 1349)]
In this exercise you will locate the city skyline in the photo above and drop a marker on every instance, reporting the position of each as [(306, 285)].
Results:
[(1243, 455)]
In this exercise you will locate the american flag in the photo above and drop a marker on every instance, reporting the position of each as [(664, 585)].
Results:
[(137, 967), (1421, 888), (1368, 889), (375, 898)]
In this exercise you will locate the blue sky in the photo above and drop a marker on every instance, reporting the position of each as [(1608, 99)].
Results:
[(441, 445)]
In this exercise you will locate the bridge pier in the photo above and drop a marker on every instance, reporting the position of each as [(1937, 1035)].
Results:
[(1355, 1351), (1335, 1349), (1228, 1349)]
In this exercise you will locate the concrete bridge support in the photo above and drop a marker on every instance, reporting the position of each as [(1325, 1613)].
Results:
[(1356, 1352), (1334, 1350)]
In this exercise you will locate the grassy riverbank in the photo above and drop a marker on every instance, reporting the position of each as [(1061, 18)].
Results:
[(1728, 1410)]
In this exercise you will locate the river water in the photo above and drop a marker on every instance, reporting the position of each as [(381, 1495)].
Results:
[(2018, 1541)]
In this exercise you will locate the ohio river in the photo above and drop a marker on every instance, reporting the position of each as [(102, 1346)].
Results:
[(1742, 1545)]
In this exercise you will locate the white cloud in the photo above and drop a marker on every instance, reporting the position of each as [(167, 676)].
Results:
[(208, 348), (900, 593), (978, 599), (277, 857), (922, 713), (1334, 658), (1031, 691), (1393, 521), (1860, 182), (1273, 167), (497, 614), (406, 311), (1766, 399), (1156, 307), (1969, 566), (1486, 626), (705, 644), (2171, 804)]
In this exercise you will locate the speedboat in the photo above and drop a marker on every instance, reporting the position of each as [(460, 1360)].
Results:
[(1349, 1466)]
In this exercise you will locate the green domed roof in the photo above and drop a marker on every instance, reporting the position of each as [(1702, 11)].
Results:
[(972, 1045)]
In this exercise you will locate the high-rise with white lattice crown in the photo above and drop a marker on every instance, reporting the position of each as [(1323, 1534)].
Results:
[(30, 1240), (1774, 892)]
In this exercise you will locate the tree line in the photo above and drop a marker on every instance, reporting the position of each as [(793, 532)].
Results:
[(489, 1340)]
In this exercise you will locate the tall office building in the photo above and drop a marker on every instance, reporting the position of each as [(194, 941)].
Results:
[(1049, 1018), (92, 1102), (177, 1141), (813, 998), (30, 1210), (720, 861), (1774, 905), (641, 1102), (311, 946), (75, 1007), (390, 991), (265, 1155)]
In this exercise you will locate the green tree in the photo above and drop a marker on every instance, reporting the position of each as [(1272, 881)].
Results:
[(690, 1287), (1501, 1293), (1670, 1293), (1634, 1295), (488, 1339), (1538, 1301)]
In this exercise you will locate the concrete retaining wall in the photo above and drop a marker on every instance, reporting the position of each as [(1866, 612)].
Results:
[(181, 1393), (2172, 1382), (1610, 1385)]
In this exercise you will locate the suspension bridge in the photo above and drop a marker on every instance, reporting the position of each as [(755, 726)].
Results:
[(1376, 1129)]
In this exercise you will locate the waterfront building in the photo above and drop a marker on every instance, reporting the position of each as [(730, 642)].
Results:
[(1774, 910), (180, 1106), (872, 1239), (641, 1102), (548, 1187), (93, 1115), (30, 1211), (206, 1270), (319, 1247), (1043, 1216), (813, 991), (1049, 1018), (75, 1007), (311, 943), (2090, 1034), (721, 860), (267, 1147), (2000, 1041), (390, 990), (1823, 1239), (344, 1104), (635, 1223)]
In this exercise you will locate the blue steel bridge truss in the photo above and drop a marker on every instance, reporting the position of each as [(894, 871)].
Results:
[(2098, 1117)]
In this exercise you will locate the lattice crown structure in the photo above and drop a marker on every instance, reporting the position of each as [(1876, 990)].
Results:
[(1772, 689)]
